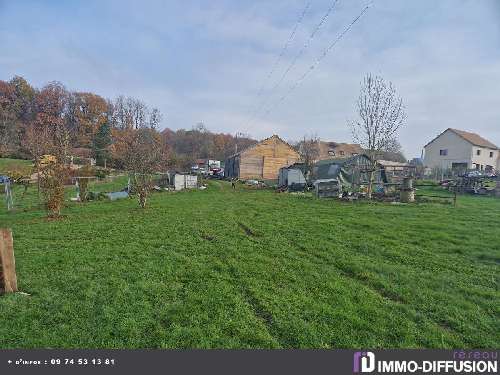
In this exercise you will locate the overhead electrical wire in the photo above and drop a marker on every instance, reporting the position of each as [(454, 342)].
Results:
[(285, 47), (291, 37), (318, 60), (296, 58)]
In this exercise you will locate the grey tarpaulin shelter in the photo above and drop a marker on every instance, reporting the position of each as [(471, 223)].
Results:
[(349, 172), (291, 178)]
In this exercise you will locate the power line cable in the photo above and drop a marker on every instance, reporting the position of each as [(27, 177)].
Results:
[(285, 47), (318, 60), (291, 37), (296, 57)]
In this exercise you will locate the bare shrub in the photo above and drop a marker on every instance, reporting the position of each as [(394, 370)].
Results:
[(143, 157)]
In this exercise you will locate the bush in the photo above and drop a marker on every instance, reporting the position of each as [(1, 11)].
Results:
[(102, 173), (96, 196), (52, 179), (83, 183)]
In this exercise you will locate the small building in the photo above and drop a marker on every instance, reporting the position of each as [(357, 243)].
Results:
[(261, 161), (351, 172), (460, 151), (291, 178), (184, 181), (394, 169)]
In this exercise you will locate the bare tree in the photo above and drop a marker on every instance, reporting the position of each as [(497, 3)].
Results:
[(143, 157), (309, 151), (381, 114), (155, 118), (139, 112)]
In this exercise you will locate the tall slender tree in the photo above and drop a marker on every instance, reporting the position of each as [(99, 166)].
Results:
[(381, 114)]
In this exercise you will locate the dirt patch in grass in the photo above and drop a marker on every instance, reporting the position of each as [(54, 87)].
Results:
[(248, 231), (489, 258), (208, 237)]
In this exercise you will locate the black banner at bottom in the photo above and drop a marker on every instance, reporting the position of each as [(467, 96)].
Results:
[(223, 362)]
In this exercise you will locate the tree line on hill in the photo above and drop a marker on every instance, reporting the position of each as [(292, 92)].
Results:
[(100, 128), (97, 127)]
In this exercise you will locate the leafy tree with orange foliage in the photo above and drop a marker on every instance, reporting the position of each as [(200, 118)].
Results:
[(86, 113)]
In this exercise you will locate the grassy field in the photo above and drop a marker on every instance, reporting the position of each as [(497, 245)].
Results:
[(254, 269), (6, 163)]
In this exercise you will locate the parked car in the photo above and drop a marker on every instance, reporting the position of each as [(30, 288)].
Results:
[(472, 174)]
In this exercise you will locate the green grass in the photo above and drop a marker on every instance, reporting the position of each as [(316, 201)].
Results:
[(254, 269), (5, 163)]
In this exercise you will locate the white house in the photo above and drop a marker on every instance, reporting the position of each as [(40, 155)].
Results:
[(461, 150)]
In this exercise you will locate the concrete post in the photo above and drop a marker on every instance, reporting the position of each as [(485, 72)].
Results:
[(407, 191)]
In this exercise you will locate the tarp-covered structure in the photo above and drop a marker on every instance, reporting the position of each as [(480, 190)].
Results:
[(350, 172), (292, 178)]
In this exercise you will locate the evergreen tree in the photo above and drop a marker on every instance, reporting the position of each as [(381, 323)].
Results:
[(100, 145)]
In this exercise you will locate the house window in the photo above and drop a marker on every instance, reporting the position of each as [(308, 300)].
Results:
[(491, 154), (443, 152), (478, 152), (342, 153), (331, 153)]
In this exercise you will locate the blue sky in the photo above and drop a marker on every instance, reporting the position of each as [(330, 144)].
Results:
[(206, 60)]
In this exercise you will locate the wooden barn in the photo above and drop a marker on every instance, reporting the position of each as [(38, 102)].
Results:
[(261, 161)]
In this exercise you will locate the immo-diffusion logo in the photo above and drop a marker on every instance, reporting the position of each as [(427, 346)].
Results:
[(466, 363), (366, 360)]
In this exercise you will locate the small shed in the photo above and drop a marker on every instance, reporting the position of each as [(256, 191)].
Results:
[(350, 172), (184, 181), (291, 178)]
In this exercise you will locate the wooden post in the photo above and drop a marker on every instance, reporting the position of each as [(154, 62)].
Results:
[(8, 279)]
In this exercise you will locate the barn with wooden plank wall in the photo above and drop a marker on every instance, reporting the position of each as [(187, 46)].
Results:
[(261, 161)]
